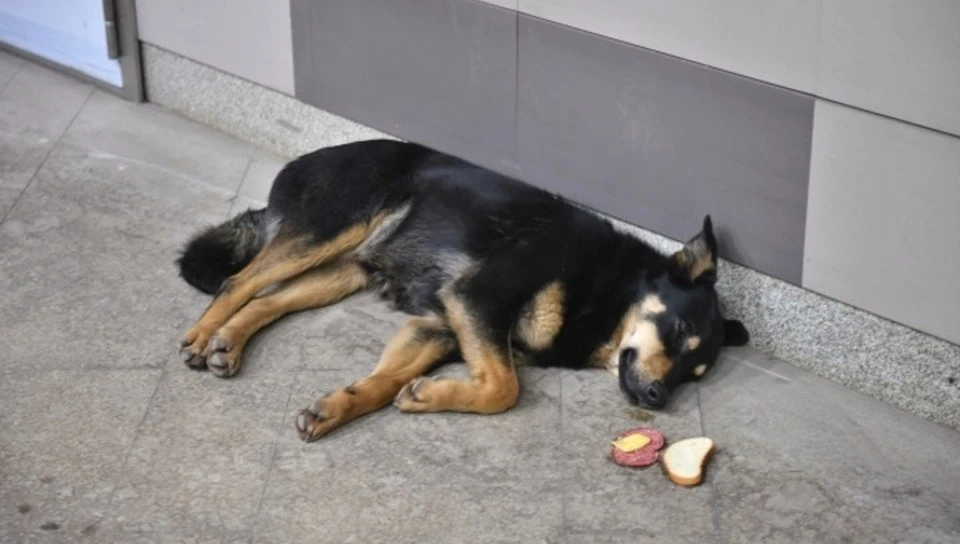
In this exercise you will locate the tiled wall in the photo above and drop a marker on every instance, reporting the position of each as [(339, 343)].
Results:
[(247, 38), (883, 218), (441, 72), (897, 58), (639, 135), (660, 142), (769, 41), (900, 59), (822, 135), (792, 123)]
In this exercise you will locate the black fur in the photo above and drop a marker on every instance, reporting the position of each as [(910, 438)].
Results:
[(735, 334), (221, 251), (491, 239)]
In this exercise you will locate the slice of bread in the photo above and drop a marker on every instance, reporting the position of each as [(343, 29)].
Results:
[(685, 460)]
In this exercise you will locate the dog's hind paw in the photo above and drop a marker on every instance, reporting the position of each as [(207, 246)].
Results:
[(193, 348), (191, 357), (224, 361)]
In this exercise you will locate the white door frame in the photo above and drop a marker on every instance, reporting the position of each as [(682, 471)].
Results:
[(120, 27)]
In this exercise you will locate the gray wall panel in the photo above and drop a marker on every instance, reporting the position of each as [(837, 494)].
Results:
[(660, 142), (439, 72)]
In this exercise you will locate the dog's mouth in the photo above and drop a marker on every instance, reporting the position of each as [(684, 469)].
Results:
[(652, 394), (625, 387)]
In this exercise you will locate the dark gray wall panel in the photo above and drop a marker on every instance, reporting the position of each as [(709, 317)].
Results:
[(439, 72), (659, 142)]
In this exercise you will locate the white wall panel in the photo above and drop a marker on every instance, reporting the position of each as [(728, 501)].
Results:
[(896, 57), (247, 38), (883, 228), (771, 41)]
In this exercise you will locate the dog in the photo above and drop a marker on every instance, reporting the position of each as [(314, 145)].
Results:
[(492, 271)]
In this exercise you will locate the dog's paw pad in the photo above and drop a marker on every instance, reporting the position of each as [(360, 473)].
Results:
[(193, 347), (311, 424), (223, 364), (191, 357)]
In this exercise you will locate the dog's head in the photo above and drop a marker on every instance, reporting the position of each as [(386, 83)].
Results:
[(674, 331)]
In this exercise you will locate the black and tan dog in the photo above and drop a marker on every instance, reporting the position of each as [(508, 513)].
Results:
[(493, 271)]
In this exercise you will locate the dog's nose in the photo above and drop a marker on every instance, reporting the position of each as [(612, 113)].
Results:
[(655, 395)]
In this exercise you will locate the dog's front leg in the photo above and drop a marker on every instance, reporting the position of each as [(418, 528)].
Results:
[(493, 386), (419, 346)]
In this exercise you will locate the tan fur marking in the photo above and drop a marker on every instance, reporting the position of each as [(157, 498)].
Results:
[(695, 258), (313, 289), (651, 305), (700, 266), (409, 354), (653, 364), (636, 332), (692, 343), (656, 367), (493, 386), (699, 370), (282, 259), (541, 319), (607, 355)]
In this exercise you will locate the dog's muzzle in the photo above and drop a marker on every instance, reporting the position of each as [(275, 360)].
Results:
[(654, 393)]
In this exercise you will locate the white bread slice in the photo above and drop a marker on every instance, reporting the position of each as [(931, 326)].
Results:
[(684, 461)]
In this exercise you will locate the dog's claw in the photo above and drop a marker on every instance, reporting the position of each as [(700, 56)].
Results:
[(219, 344), (191, 359), (302, 423), (221, 366), (408, 393)]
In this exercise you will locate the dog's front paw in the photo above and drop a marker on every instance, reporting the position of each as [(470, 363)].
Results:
[(319, 419)]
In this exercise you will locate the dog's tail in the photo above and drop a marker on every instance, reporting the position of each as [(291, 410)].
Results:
[(215, 254)]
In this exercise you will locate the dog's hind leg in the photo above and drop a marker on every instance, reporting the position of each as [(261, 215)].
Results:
[(281, 259), (313, 289), (493, 386), (419, 346)]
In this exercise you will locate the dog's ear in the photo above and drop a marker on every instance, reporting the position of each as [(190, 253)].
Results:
[(735, 333), (697, 260)]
